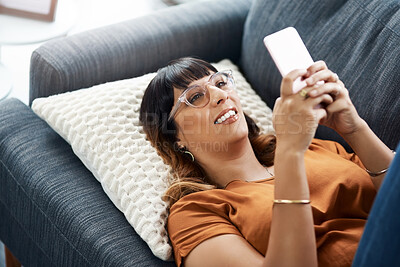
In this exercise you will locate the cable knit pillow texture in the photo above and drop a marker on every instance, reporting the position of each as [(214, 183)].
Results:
[(101, 124)]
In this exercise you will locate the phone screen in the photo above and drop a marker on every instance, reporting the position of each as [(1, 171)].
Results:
[(289, 52)]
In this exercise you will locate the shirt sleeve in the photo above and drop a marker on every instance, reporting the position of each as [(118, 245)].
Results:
[(193, 220), (339, 149)]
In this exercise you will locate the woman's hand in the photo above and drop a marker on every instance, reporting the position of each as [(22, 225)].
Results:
[(296, 116), (344, 119), (341, 113)]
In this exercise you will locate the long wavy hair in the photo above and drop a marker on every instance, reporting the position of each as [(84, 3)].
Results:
[(158, 100)]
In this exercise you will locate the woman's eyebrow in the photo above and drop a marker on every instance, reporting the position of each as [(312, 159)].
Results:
[(192, 86)]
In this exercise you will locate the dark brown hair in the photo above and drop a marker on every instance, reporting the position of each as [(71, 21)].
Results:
[(157, 102)]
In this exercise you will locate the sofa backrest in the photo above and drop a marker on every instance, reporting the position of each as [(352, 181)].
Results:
[(131, 48), (358, 39)]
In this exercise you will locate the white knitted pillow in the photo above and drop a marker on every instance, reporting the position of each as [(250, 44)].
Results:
[(102, 125)]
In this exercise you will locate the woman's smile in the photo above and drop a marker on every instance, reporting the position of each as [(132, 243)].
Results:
[(227, 116)]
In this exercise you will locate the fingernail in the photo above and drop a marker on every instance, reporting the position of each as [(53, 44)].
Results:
[(313, 93), (309, 81)]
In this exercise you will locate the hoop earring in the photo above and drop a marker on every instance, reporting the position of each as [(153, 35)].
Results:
[(190, 153)]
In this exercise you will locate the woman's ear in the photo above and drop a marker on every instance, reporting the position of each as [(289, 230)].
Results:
[(180, 144), (181, 147)]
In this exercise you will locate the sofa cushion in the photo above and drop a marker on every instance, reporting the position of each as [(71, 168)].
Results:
[(102, 125), (359, 40)]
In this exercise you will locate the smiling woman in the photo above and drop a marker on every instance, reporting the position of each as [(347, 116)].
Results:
[(272, 199), (190, 108)]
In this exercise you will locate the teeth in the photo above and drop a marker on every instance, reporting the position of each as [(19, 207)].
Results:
[(225, 116)]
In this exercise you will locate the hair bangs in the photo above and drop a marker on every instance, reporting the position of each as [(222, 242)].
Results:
[(184, 71)]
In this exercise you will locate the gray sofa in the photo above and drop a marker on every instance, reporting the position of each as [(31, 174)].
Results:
[(54, 212)]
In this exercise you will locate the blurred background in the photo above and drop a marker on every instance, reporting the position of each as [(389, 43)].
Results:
[(71, 16)]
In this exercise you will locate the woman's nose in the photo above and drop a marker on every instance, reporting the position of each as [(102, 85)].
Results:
[(217, 95)]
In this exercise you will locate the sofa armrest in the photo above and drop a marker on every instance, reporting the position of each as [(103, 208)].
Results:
[(210, 30), (53, 211)]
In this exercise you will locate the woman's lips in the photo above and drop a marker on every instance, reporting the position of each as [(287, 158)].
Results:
[(231, 119), (227, 116)]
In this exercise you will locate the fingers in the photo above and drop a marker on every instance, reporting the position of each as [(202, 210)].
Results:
[(316, 67), (334, 89), (337, 106), (287, 81), (323, 75), (325, 99)]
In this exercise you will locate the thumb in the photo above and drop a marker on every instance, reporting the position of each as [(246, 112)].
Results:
[(287, 81)]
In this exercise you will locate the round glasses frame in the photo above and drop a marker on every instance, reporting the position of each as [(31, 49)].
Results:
[(182, 97)]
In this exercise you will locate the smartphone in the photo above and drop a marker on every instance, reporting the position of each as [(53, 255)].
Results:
[(289, 52)]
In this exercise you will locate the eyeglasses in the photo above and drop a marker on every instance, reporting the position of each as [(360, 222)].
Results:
[(198, 96)]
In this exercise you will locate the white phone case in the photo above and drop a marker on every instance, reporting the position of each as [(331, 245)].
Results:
[(289, 53)]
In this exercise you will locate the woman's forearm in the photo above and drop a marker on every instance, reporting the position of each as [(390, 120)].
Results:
[(374, 154), (292, 238)]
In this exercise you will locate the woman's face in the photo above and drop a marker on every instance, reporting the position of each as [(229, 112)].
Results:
[(203, 130)]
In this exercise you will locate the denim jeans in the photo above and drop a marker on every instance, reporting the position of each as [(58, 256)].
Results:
[(380, 243)]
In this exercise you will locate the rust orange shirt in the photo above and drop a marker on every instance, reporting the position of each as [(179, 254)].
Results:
[(341, 195)]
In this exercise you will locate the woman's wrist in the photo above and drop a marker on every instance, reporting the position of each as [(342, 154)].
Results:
[(362, 128), (290, 147), (290, 182), (283, 152)]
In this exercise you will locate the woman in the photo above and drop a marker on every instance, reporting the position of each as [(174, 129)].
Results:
[(243, 199)]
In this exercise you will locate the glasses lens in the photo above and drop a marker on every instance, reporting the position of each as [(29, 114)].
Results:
[(197, 96), (223, 81)]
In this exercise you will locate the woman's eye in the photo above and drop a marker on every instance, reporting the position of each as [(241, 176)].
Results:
[(195, 97), (221, 84)]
